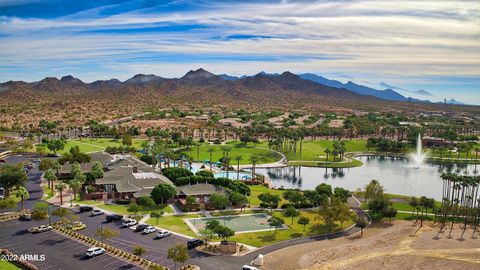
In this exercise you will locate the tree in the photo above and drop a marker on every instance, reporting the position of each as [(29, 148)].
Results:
[(362, 223), (162, 192), (135, 208), (75, 185), (139, 251), (105, 233), (269, 200), (127, 139), (12, 176), (275, 222), (178, 254), (342, 194), (156, 215), (238, 159), (210, 152), (223, 232), (390, 213), (295, 197), (55, 145), (62, 213), (146, 201), (324, 190), (238, 199), (373, 190), (190, 201), (303, 221), (97, 170), (291, 212), (7, 203), (51, 177), (22, 192), (40, 211), (219, 201), (46, 164), (60, 188), (327, 152), (315, 198), (413, 203)]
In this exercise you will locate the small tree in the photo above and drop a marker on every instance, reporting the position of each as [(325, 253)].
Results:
[(40, 211), (303, 221), (178, 254), (156, 215), (22, 192), (238, 199), (12, 176), (51, 177), (75, 185), (190, 201), (97, 170), (362, 223), (212, 224), (291, 212), (61, 187), (135, 208), (146, 201), (219, 201), (269, 200), (106, 233), (223, 232), (275, 222), (7, 203), (163, 192), (139, 251)]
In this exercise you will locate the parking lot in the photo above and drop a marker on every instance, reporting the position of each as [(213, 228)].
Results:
[(60, 252)]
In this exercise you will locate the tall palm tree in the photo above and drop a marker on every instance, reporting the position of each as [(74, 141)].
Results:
[(60, 188), (22, 192), (328, 151), (238, 159), (75, 185), (254, 161), (210, 151)]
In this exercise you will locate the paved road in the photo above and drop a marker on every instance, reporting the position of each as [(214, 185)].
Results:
[(33, 183)]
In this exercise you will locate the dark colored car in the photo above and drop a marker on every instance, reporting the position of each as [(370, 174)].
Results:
[(193, 243), (85, 209), (25, 217), (2, 161), (141, 227), (113, 217)]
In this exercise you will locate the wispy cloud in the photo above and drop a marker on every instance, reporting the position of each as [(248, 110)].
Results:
[(402, 42)]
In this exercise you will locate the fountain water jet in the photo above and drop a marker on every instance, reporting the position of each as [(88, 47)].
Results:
[(418, 157)]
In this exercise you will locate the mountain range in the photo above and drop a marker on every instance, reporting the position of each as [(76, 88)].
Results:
[(286, 88)]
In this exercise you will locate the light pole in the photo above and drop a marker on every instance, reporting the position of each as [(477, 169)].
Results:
[(101, 233), (49, 215), (71, 199)]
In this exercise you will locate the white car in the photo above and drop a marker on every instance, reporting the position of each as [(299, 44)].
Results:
[(94, 251), (129, 222), (41, 228), (96, 212), (163, 234), (149, 229), (248, 267)]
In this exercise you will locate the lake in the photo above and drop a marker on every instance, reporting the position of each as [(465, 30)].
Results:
[(397, 175)]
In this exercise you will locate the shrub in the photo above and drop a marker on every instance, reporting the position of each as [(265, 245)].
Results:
[(145, 201), (204, 173), (174, 173)]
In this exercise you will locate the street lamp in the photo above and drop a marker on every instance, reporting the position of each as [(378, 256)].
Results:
[(71, 199), (101, 233), (49, 215)]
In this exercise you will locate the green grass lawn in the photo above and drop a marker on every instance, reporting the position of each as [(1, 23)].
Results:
[(174, 223), (4, 265), (48, 192), (257, 190), (351, 164), (237, 149), (89, 145), (295, 230)]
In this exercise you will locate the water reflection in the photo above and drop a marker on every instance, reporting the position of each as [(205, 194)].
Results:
[(398, 175)]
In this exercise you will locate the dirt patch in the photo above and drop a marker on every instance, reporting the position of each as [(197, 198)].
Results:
[(389, 246)]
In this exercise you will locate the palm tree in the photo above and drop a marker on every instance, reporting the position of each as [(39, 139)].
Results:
[(238, 159), (75, 185), (60, 188), (22, 192), (210, 151), (254, 161), (328, 151), (477, 150)]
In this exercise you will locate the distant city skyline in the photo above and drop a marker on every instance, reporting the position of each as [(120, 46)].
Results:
[(410, 45)]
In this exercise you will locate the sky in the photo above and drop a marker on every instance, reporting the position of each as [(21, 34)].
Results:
[(408, 45)]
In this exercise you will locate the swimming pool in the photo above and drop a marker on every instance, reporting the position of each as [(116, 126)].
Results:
[(233, 175)]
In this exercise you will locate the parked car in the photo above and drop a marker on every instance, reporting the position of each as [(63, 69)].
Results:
[(96, 212), (149, 229), (85, 208), (94, 251), (2, 161), (248, 267), (193, 243), (113, 217), (41, 228), (129, 222), (141, 227), (25, 217), (163, 234)]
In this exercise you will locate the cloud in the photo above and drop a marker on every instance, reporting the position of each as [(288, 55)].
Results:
[(401, 42)]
